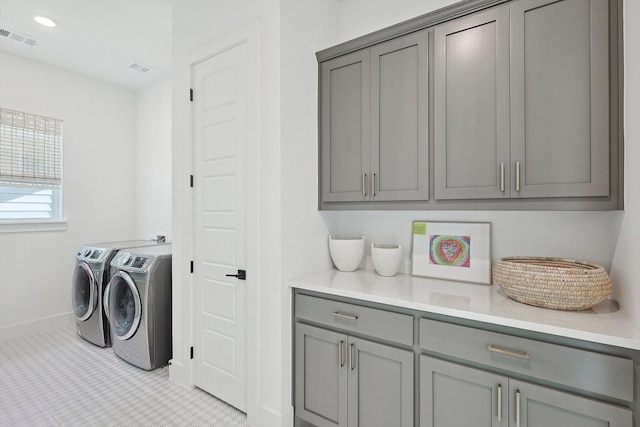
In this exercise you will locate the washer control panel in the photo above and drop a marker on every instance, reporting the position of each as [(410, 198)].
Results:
[(88, 253)]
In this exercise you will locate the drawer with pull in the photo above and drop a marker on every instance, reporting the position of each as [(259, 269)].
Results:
[(382, 324), (582, 369)]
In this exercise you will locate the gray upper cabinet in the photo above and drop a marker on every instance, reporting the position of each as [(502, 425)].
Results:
[(399, 129), (484, 104), (374, 132), (560, 98), (471, 106), (345, 127), (523, 110)]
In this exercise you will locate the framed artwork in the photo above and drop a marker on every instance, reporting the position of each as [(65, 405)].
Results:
[(452, 250)]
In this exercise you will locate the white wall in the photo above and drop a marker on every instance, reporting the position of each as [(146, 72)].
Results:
[(99, 204), (579, 235), (305, 27), (360, 17), (624, 272), (153, 161)]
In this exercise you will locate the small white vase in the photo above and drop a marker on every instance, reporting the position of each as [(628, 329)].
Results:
[(346, 253), (386, 258)]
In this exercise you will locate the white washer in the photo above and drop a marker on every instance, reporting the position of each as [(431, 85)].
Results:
[(140, 306), (90, 277)]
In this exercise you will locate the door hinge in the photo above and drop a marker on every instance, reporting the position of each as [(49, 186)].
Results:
[(191, 266), (191, 95), (191, 181), (192, 352)]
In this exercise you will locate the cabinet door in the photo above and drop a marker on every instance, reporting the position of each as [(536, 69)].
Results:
[(471, 106), (399, 119), (560, 98), (453, 395), (345, 127), (320, 376), (536, 406), (380, 385)]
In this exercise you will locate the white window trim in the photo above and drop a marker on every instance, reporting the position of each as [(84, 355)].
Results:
[(25, 226)]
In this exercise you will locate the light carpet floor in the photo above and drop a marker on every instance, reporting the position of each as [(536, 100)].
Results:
[(55, 378)]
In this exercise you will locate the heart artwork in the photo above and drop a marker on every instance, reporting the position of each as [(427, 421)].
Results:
[(451, 251)]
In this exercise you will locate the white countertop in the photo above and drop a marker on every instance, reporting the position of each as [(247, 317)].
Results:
[(605, 324)]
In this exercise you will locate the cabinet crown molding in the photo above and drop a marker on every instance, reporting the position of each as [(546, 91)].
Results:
[(429, 19)]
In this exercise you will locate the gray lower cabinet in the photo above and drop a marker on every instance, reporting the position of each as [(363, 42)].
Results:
[(502, 398), (522, 102), (346, 381), (531, 405), (454, 395), (374, 143), (360, 364)]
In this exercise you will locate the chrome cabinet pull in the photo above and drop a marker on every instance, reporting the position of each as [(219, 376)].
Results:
[(499, 402), (517, 408), (345, 315), (364, 185), (518, 176), (502, 177), (340, 356), (373, 184), (521, 355), (352, 365)]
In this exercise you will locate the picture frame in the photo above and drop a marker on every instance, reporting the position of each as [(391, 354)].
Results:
[(459, 251)]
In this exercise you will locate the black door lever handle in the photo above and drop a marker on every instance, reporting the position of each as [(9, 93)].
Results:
[(242, 275)]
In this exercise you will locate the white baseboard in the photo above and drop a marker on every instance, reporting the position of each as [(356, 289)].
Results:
[(40, 325), (179, 373), (268, 418)]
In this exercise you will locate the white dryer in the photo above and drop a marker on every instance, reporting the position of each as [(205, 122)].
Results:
[(90, 277), (140, 306)]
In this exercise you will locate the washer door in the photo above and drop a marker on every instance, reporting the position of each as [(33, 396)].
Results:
[(84, 295), (125, 310)]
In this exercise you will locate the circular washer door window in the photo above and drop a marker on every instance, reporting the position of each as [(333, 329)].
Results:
[(125, 310), (84, 296)]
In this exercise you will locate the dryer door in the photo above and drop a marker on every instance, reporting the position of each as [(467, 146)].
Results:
[(84, 295), (125, 310), (105, 300)]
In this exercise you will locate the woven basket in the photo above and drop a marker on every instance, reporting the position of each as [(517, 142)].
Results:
[(560, 284)]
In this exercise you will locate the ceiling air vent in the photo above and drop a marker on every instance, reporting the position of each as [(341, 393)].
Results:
[(141, 68), (18, 37)]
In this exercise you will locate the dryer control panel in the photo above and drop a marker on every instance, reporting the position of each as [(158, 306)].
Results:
[(131, 262), (138, 262)]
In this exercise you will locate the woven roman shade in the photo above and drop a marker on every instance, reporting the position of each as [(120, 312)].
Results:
[(30, 150)]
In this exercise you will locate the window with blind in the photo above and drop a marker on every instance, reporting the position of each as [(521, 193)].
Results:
[(30, 167)]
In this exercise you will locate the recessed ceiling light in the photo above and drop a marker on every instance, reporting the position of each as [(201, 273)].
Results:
[(42, 20)]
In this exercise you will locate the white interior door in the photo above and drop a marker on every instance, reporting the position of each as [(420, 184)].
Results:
[(219, 301)]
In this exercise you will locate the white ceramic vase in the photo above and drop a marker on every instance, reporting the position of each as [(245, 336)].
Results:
[(346, 253), (386, 258)]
